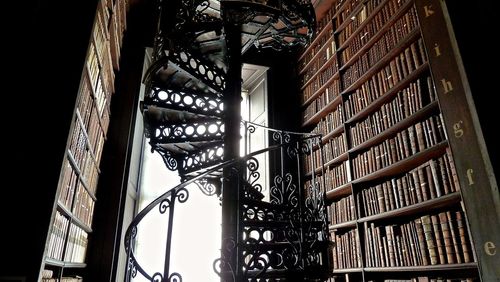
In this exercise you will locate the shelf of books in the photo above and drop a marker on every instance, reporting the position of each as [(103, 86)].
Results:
[(67, 242), (388, 167)]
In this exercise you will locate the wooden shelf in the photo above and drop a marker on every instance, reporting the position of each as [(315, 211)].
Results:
[(89, 146), (315, 40), (338, 192), (334, 133), (63, 209), (363, 24), (54, 262), (321, 89), (324, 111), (426, 206), (80, 224), (73, 217), (73, 162), (347, 270), (348, 18), (410, 38), (328, 62), (94, 99), (377, 35), (79, 173), (439, 267), (344, 225), (406, 164), (389, 94), (75, 265), (332, 162), (59, 263), (315, 56), (341, 158), (393, 130)]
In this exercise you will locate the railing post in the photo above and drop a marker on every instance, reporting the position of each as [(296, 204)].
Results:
[(232, 119), (166, 267)]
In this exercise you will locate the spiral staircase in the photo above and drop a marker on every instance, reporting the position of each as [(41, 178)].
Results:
[(192, 119)]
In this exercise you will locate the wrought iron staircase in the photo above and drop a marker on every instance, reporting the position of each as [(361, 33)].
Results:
[(192, 119), (283, 238)]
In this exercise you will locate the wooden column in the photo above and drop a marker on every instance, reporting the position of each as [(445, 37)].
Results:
[(478, 184)]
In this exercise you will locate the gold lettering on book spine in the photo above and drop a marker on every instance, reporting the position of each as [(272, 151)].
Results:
[(470, 171), (490, 248)]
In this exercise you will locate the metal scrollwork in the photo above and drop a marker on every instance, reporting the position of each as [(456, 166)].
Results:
[(169, 160), (157, 277), (201, 69), (208, 186), (292, 151), (182, 195), (202, 158), (221, 266), (253, 175), (209, 130), (164, 205), (284, 194), (198, 103), (250, 128), (132, 267), (175, 277)]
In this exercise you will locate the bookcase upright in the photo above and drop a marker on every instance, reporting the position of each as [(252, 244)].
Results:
[(68, 237)]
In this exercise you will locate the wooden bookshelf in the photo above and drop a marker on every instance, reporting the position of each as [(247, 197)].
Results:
[(343, 225), (437, 203), (67, 240), (399, 172), (457, 266)]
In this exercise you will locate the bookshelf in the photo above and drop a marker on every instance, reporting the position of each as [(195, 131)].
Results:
[(72, 224), (394, 164)]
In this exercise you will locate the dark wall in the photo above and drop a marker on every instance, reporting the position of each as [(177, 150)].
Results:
[(476, 26), (47, 43), (283, 100)]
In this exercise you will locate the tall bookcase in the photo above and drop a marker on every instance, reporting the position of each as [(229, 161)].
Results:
[(72, 222), (382, 85)]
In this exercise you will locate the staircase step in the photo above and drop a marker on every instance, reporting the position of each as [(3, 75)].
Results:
[(203, 158), (183, 104), (204, 129), (198, 68)]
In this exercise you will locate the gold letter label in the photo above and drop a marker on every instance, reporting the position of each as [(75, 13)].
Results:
[(457, 129), (428, 11), (437, 50), (448, 87), (470, 171), (490, 248)]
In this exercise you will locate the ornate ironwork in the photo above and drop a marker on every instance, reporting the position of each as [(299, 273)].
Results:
[(221, 265), (202, 159), (192, 18), (200, 68), (284, 191), (208, 129), (209, 186), (281, 24), (201, 104), (284, 234), (170, 161)]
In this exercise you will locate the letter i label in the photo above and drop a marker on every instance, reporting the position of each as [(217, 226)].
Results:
[(437, 50)]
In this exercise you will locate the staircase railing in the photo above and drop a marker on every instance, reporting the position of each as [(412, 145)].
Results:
[(296, 222)]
